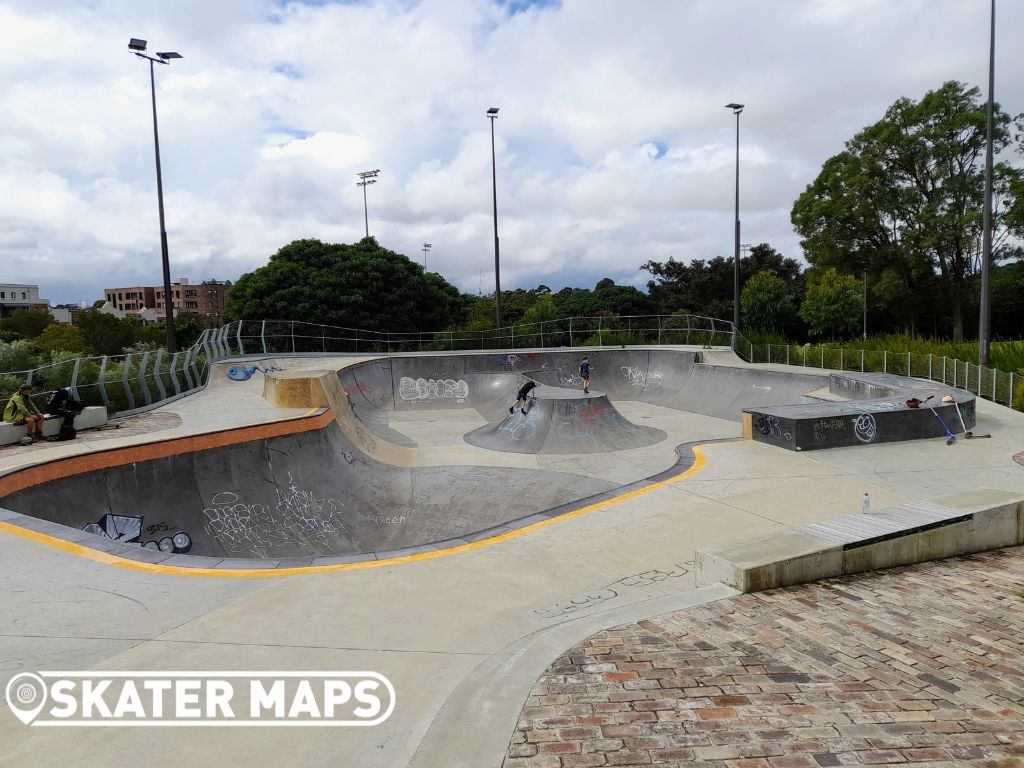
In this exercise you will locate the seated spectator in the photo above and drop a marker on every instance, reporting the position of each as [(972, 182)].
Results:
[(21, 410), (62, 404)]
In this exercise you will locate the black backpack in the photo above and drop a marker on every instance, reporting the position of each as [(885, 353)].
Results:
[(67, 432)]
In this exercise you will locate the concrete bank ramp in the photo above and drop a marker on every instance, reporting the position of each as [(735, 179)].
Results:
[(563, 421)]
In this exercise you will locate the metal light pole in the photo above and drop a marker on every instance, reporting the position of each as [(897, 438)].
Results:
[(865, 303), (736, 110), (985, 321), (367, 178), (492, 113), (426, 247), (138, 47)]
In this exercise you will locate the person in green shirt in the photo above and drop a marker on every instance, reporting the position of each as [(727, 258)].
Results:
[(21, 410)]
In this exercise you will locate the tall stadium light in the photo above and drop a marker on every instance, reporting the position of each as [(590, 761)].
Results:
[(138, 47), (736, 110), (366, 178), (426, 247), (492, 114), (985, 320)]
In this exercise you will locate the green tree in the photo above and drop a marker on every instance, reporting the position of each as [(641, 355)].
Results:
[(766, 303), (361, 285), (833, 304), (15, 356), (706, 287), (60, 337), (103, 333), (904, 201), (26, 323)]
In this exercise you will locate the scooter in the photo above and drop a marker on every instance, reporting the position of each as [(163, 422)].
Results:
[(950, 437), (969, 435)]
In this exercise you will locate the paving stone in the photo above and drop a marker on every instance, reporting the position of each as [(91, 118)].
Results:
[(919, 665)]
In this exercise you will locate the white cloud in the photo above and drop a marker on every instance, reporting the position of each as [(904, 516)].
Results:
[(612, 145)]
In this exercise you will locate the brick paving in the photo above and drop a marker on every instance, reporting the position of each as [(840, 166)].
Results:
[(919, 666), (139, 424)]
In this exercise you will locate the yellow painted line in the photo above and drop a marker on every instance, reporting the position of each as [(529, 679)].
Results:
[(699, 461)]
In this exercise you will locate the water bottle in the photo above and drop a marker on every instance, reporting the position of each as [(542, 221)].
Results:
[(867, 503)]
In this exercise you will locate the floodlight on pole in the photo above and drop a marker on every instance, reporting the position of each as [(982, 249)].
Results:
[(492, 114), (426, 247), (365, 179), (985, 320), (138, 47), (736, 110)]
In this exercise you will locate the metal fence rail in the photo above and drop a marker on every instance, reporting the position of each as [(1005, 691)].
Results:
[(127, 384), (288, 336), (987, 383)]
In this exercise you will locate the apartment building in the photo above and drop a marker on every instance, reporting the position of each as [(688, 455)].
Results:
[(130, 300), (206, 298), (18, 296)]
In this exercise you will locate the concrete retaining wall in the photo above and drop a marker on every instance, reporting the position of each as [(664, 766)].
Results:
[(980, 520)]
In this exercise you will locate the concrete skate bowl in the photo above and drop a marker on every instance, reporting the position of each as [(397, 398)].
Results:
[(311, 493), (793, 410), (563, 420)]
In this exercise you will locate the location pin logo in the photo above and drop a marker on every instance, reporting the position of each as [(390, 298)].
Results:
[(26, 696)]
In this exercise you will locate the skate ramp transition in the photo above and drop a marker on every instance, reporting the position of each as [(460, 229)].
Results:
[(309, 494), (344, 484)]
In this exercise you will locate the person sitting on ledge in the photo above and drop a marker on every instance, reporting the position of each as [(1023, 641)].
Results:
[(62, 404), (21, 410)]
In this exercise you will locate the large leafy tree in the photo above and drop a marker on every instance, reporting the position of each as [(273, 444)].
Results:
[(766, 303), (904, 201), (833, 304), (706, 287), (26, 323), (361, 285)]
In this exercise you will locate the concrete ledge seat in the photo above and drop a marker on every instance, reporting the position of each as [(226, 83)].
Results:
[(903, 535), (90, 418)]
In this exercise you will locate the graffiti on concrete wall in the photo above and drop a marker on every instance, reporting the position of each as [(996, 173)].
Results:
[(520, 426), (822, 428), (581, 602), (245, 372), (298, 517), (127, 529), (433, 389), (864, 428), (639, 378), (769, 426), (511, 361), (358, 389), (585, 420)]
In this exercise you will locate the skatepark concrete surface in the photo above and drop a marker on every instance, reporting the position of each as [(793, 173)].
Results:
[(462, 632)]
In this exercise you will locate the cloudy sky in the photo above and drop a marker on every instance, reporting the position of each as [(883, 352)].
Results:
[(613, 145)]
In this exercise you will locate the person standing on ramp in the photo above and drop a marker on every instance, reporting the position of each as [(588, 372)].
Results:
[(585, 374), (523, 396)]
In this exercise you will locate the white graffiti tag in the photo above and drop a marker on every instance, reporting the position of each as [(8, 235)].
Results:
[(297, 517), (864, 428), (519, 426), (433, 389), (639, 378)]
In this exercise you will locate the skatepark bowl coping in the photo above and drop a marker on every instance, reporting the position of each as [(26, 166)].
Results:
[(344, 485)]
